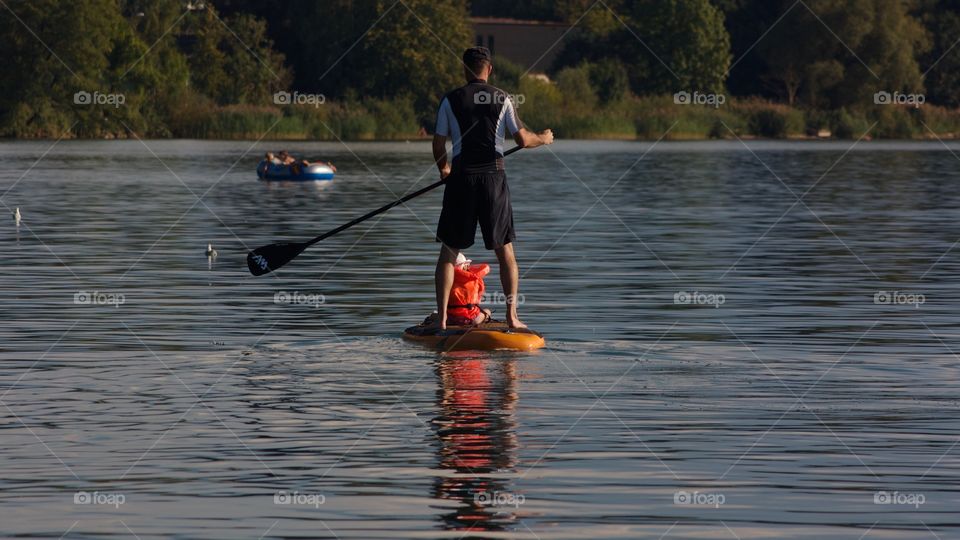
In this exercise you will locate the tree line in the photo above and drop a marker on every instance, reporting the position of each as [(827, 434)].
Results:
[(180, 63)]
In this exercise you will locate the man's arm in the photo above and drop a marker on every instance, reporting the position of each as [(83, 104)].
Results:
[(440, 155), (528, 139), (524, 137), (444, 121)]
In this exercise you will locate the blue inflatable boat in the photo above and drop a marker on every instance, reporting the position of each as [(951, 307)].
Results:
[(294, 172)]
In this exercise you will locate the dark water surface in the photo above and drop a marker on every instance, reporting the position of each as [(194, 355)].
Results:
[(724, 360)]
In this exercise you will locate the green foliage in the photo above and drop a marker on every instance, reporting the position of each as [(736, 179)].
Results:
[(232, 61), (542, 103), (395, 119), (506, 75), (357, 124), (849, 125), (861, 47), (895, 123), (383, 66), (374, 119), (658, 116), (610, 122), (684, 45), (375, 48), (768, 123), (609, 78), (244, 121), (941, 63), (581, 110), (37, 88), (941, 121), (573, 83), (589, 84), (414, 51), (151, 54)]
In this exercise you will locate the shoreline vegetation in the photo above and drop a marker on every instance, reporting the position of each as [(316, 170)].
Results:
[(632, 118), (706, 69)]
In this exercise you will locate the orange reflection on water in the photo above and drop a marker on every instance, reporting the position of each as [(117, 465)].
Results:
[(476, 428)]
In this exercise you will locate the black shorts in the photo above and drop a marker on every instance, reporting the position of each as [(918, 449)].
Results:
[(471, 198)]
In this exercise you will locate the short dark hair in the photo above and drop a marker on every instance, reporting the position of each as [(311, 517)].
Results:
[(475, 58)]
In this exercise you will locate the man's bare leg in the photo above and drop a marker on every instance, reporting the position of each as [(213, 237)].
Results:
[(510, 281), (444, 281)]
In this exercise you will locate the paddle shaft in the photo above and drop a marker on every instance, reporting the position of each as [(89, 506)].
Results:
[(386, 207)]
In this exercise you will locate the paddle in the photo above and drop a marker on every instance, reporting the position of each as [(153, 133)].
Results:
[(266, 259)]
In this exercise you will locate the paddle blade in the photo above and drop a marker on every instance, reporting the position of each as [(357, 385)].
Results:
[(266, 259)]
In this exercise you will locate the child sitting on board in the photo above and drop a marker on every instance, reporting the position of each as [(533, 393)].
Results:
[(464, 308)]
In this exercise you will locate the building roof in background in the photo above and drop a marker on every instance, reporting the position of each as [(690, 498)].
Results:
[(517, 22), (531, 44)]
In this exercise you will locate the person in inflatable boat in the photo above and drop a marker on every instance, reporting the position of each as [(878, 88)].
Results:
[(270, 159), (297, 165), (464, 307)]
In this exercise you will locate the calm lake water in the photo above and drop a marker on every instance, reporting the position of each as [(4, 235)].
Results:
[(742, 343)]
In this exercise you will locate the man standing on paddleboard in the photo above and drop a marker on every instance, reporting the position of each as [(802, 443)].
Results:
[(476, 117)]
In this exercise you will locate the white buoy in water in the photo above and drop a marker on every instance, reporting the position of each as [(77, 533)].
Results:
[(210, 251), (16, 216)]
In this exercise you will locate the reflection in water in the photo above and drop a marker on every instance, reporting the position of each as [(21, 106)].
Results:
[(307, 390), (322, 186), (476, 427)]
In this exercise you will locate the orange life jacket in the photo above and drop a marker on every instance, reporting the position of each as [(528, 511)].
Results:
[(464, 304)]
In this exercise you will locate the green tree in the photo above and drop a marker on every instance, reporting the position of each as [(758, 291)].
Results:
[(160, 70), (134, 49), (665, 46), (856, 48), (610, 79), (375, 49), (747, 22), (232, 61), (574, 85), (322, 41), (416, 50), (507, 75), (55, 50), (941, 62)]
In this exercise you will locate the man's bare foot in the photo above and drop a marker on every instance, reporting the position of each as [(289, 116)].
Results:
[(515, 322)]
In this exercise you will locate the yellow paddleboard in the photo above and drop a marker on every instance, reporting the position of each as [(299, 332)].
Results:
[(489, 336)]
